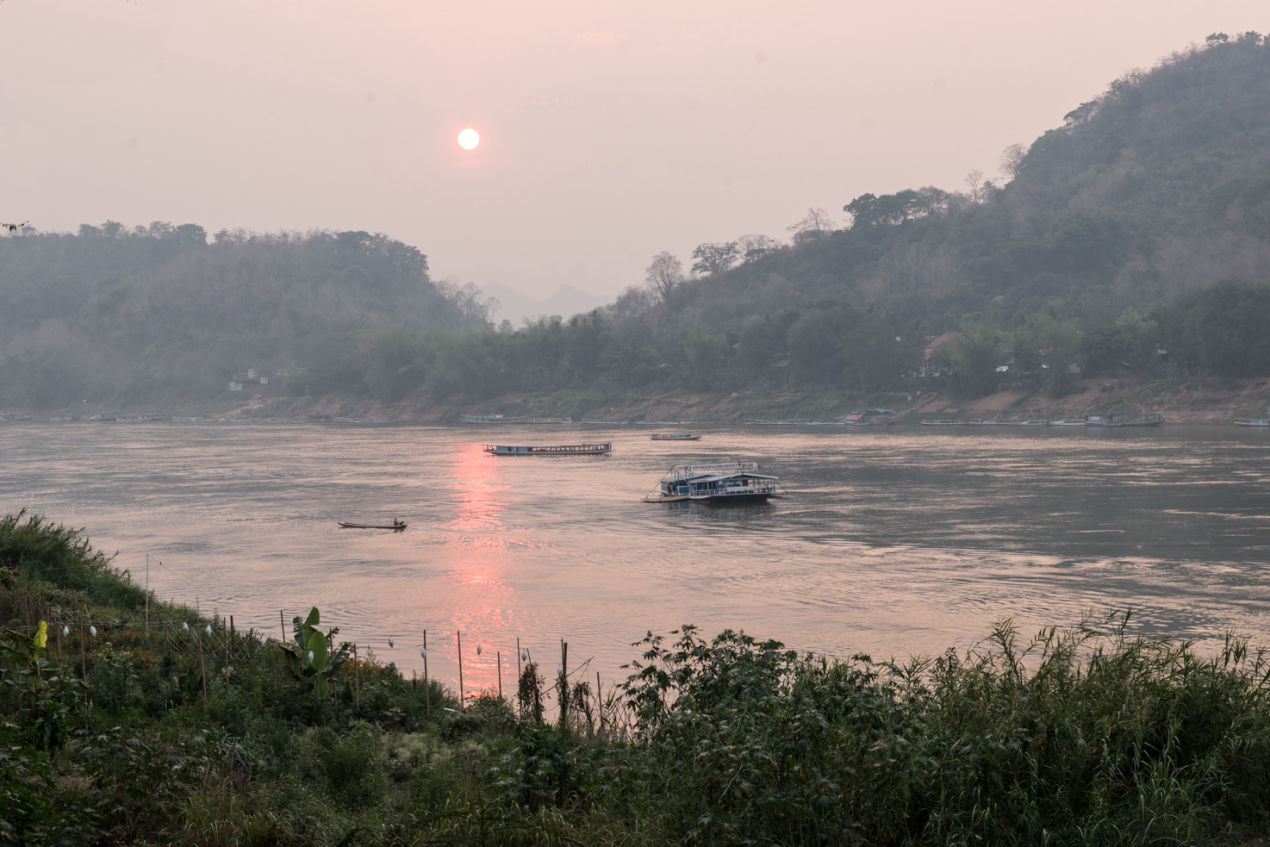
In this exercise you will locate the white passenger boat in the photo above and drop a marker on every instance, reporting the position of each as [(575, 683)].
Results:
[(719, 482)]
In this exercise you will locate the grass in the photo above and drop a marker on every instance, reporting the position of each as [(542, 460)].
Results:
[(1084, 735)]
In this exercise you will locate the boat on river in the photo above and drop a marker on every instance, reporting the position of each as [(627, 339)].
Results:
[(1252, 421), (512, 419), (395, 526), (597, 449), (1116, 420), (675, 436), (716, 482)]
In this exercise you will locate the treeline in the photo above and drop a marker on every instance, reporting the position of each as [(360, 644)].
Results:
[(1216, 332), (160, 313)]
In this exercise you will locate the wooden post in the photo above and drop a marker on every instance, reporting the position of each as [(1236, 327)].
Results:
[(83, 659), (427, 690), (498, 654), (198, 638), (459, 637), (357, 680), (147, 595), (283, 626), (231, 626), (563, 683)]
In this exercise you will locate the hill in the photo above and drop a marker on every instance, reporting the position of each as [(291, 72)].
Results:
[(158, 315), (1127, 248)]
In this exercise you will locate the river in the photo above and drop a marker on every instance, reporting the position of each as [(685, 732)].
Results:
[(892, 542)]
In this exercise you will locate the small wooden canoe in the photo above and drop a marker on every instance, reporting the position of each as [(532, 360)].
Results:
[(395, 526)]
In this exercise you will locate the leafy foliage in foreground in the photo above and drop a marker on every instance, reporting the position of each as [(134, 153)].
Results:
[(192, 733)]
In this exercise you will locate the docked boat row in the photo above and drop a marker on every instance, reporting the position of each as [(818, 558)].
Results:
[(513, 419), (1091, 420)]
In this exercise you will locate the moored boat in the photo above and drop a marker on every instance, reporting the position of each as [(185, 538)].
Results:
[(598, 449), (1116, 420), (717, 482), (1252, 421), (675, 436)]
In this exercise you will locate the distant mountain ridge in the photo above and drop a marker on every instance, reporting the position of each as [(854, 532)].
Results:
[(517, 307)]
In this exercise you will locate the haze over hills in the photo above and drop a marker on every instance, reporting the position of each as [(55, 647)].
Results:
[(1131, 240), (517, 307)]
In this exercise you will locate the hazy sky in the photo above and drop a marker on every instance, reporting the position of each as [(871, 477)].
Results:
[(610, 130)]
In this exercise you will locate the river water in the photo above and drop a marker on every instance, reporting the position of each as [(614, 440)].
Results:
[(893, 542)]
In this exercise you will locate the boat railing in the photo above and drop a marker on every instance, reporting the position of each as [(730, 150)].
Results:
[(685, 471)]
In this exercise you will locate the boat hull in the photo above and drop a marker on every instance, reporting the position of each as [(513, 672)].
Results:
[(351, 525)]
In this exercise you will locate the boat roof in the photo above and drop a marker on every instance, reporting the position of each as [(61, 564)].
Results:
[(717, 470), (723, 476)]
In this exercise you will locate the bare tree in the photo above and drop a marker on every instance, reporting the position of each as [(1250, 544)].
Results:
[(974, 181), (664, 274), (1012, 159), (816, 223)]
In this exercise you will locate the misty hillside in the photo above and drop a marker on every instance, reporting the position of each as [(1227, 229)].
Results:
[(1113, 230), (1131, 240), (156, 313), (1158, 187)]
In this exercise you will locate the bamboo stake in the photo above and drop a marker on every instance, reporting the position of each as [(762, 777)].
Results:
[(357, 680), (498, 654), (427, 690), (198, 638), (563, 684), (283, 626), (459, 637), (83, 659)]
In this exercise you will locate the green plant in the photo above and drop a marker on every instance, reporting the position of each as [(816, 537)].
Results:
[(311, 657)]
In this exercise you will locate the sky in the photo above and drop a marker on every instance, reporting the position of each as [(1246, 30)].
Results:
[(610, 131)]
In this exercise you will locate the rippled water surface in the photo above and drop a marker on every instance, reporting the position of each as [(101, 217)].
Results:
[(893, 543)]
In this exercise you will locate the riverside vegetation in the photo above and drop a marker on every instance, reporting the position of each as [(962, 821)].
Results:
[(123, 720)]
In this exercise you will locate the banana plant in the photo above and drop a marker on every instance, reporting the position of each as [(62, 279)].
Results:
[(311, 655)]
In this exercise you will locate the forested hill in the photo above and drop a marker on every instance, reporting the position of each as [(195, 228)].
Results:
[(1146, 195), (158, 315), (1129, 242)]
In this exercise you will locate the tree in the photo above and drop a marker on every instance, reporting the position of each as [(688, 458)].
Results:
[(974, 182), (714, 257), (754, 246), (815, 224), (974, 356), (1012, 159), (664, 274)]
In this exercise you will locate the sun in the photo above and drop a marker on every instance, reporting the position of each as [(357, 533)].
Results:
[(469, 139)]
